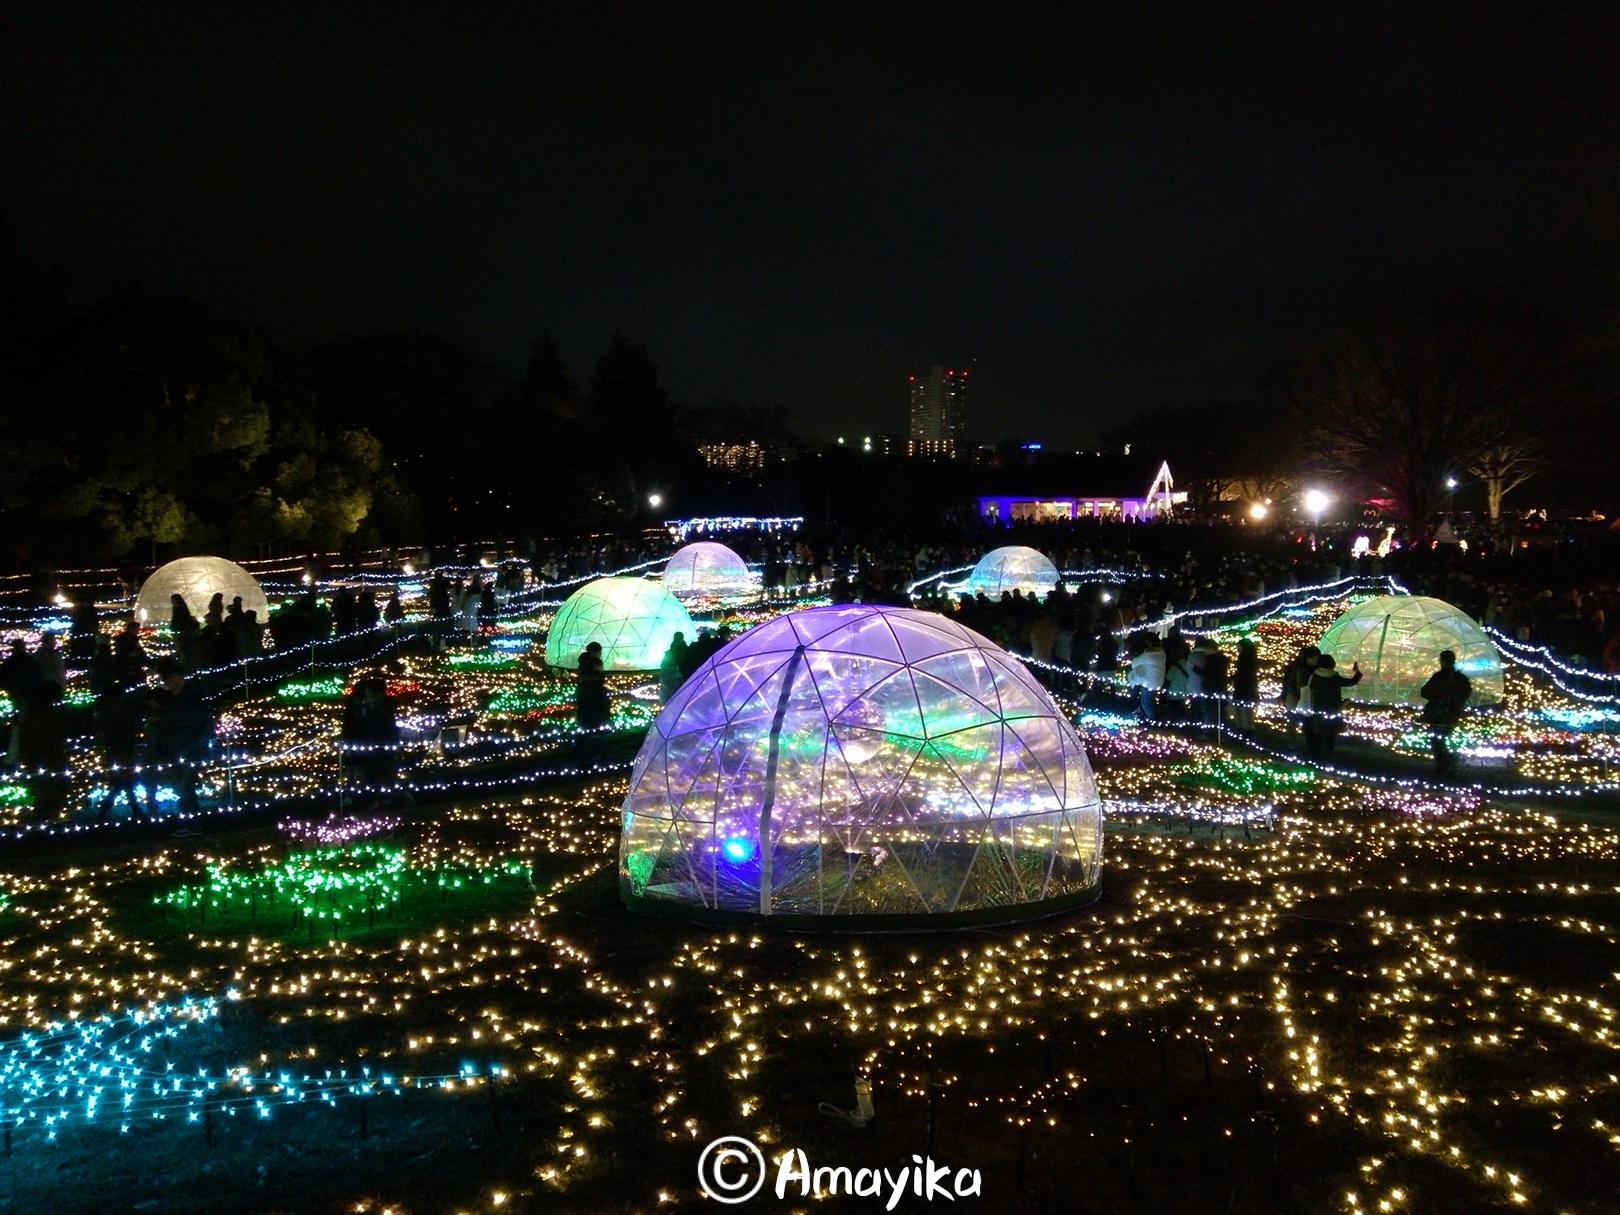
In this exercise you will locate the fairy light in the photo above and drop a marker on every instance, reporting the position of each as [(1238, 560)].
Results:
[(1362, 940)]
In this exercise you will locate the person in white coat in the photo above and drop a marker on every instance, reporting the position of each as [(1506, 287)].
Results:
[(1147, 675)]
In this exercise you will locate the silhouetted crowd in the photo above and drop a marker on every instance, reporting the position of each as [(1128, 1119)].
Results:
[(150, 733)]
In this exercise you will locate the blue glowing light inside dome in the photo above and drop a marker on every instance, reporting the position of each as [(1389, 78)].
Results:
[(737, 849)]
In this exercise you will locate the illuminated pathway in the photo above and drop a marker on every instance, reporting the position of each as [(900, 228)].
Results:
[(1424, 984)]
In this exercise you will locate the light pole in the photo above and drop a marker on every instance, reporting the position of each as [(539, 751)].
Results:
[(1316, 502)]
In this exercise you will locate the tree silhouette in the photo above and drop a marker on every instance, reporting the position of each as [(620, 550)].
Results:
[(1503, 467), (1402, 404), (633, 411), (546, 388)]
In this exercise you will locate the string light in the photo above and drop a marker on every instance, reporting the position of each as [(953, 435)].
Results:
[(1360, 938)]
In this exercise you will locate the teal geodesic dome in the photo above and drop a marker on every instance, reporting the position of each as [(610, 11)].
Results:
[(706, 568), (1397, 639), (1004, 570), (634, 619), (860, 766)]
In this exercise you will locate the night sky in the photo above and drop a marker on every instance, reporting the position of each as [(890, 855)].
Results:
[(1100, 212)]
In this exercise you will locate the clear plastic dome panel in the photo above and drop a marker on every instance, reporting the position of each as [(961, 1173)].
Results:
[(839, 761), (633, 619), (1013, 568), (1397, 640), (707, 568)]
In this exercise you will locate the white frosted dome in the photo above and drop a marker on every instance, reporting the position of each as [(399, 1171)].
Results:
[(633, 619), (1015, 567), (1397, 639), (706, 568), (861, 764), (198, 580)]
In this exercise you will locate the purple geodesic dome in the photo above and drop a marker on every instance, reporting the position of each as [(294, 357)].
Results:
[(861, 764)]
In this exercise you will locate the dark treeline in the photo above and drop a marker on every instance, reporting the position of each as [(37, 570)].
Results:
[(140, 427), (143, 427), (1409, 400)]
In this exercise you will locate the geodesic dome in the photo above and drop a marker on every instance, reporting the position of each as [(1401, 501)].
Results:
[(706, 568), (1397, 639), (634, 619), (866, 766), (1015, 567), (197, 579)]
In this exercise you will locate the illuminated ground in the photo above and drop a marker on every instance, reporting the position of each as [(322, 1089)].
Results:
[(1346, 995), (1390, 1000)]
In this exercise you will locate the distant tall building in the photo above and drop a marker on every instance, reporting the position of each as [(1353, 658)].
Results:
[(743, 457), (937, 413)]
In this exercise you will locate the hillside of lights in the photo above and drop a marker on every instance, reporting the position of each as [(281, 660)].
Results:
[(1301, 988)]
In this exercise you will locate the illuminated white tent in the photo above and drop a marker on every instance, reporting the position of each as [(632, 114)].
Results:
[(1015, 567), (198, 580), (706, 568), (1397, 639)]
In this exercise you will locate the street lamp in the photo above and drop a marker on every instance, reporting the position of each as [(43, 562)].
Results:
[(655, 500), (1257, 511), (1316, 501)]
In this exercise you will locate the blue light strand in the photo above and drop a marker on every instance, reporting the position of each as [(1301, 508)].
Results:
[(1538, 658), (110, 1068)]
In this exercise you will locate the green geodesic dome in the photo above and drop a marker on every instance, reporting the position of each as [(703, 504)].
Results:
[(634, 619), (1397, 639)]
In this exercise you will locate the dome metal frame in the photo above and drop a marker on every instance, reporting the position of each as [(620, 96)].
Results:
[(861, 767), (634, 620), (706, 568), (1397, 639), (1013, 567)]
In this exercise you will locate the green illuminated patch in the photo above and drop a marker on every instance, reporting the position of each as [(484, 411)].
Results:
[(347, 886), (1242, 776), (482, 660), (301, 691)]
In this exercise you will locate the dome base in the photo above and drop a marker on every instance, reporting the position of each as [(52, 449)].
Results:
[(979, 917)]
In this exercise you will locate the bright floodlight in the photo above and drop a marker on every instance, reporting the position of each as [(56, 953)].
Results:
[(1257, 511), (634, 619), (655, 500), (1316, 501), (860, 766), (198, 579), (1015, 567), (706, 568), (1397, 639)]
